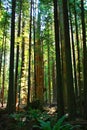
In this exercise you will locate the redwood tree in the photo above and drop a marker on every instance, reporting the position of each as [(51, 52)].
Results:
[(84, 58), (70, 88), (11, 94), (60, 103)]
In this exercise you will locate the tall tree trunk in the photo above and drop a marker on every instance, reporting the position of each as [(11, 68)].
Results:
[(17, 53), (34, 32), (60, 103), (74, 63), (84, 58), (78, 64), (29, 68), (4, 68), (63, 57), (71, 96), (54, 83), (39, 63), (74, 59), (1, 54), (49, 80), (21, 86), (11, 96)]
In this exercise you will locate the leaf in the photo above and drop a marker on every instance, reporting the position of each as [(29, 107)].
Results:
[(59, 123), (76, 126), (45, 125), (66, 127)]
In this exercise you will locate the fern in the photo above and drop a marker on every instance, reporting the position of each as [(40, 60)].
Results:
[(59, 123), (45, 125), (58, 126)]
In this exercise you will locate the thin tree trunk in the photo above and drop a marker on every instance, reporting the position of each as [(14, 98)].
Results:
[(29, 68), (54, 83), (78, 64), (49, 85), (1, 54), (3, 81), (34, 31), (74, 59), (84, 58)]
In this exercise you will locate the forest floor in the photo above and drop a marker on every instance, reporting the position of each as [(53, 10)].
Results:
[(8, 123), (5, 122)]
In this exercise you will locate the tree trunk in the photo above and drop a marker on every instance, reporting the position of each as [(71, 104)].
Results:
[(60, 103), (4, 68), (11, 96), (78, 63), (54, 83), (84, 58), (17, 55), (74, 58), (49, 79), (22, 83), (1, 54), (63, 57), (39, 63), (34, 31), (71, 96), (29, 68)]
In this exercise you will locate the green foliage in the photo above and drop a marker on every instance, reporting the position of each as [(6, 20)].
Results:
[(44, 125), (28, 118), (58, 126), (41, 120), (20, 118), (17, 116), (31, 115), (35, 114)]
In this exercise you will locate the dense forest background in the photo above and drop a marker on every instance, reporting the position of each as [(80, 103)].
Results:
[(43, 54)]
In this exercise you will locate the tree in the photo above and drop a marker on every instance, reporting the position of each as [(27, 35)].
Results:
[(70, 88), (62, 53), (11, 94), (17, 51), (39, 75), (4, 69), (29, 64), (58, 64), (84, 57), (73, 57)]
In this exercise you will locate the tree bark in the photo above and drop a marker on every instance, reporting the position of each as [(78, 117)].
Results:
[(71, 96), (11, 96), (84, 58), (29, 68), (60, 103), (17, 53)]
